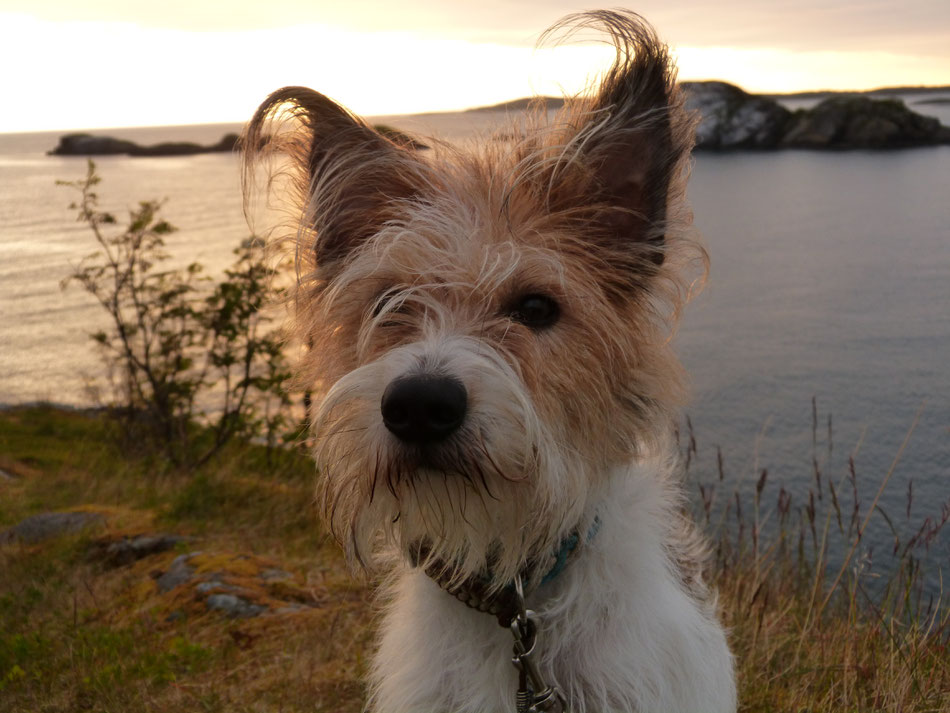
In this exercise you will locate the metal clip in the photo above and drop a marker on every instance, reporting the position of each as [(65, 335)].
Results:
[(534, 695)]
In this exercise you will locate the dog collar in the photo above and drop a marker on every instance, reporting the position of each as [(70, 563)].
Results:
[(503, 604)]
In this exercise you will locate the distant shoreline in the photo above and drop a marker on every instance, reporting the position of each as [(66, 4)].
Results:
[(733, 119), (881, 91), (558, 102)]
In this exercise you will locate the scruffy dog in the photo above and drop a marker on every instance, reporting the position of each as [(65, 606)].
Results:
[(488, 344)]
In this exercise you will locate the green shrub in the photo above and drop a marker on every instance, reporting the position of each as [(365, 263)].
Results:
[(192, 367)]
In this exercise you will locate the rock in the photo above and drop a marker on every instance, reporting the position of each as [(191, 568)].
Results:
[(45, 525), (862, 122), (179, 573), (241, 586), (4, 475), (130, 549), (234, 606), (178, 148), (89, 145), (734, 119), (213, 584)]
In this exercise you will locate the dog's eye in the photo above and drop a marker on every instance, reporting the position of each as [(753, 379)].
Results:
[(535, 311), (384, 300)]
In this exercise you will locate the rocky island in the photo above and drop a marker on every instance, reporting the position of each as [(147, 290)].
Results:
[(90, 145), (734, 119)]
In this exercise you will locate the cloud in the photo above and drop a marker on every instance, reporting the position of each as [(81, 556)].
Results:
[(921, 26), (151, 64)]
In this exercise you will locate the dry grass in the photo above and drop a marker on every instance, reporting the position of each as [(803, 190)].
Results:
[(77, 634), (813, 626)]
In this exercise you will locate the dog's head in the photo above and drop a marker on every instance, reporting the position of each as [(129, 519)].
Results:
[(487, 331)]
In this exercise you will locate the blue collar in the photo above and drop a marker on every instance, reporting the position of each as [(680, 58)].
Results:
[(568, 545), (474, 592)]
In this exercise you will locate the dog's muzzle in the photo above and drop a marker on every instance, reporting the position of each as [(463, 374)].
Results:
[(424, 409)]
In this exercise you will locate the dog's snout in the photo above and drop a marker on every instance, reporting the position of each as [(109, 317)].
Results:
[(424, 409)]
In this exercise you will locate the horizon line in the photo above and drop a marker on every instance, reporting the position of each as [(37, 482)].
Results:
[(809, 93)]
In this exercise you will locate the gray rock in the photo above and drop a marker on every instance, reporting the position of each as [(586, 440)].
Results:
[(50, 524), (130, 549), (179, 573), (212, 584), (862, 122), (731, 118), (233, 606), (4, 475), (219, 593)]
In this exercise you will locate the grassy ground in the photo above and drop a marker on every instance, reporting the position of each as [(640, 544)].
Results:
[(78, 632)]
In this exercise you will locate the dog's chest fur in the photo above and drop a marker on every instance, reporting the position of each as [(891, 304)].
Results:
[(619, 633)]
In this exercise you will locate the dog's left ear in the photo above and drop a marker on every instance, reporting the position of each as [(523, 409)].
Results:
[(631, 138)]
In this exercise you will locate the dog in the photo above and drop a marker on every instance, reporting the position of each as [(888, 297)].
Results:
[(487, 336)]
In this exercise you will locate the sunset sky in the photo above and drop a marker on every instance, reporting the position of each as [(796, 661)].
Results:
[(108, 63)]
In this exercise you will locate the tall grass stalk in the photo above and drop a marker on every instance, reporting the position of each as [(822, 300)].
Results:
[(810, 639)]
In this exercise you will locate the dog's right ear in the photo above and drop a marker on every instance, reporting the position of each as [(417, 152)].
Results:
[(349, 177)]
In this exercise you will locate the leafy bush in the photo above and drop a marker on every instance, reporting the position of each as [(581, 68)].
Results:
[(192, 367)]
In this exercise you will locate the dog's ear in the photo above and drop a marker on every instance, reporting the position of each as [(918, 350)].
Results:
[(631, 138), (348, 176)]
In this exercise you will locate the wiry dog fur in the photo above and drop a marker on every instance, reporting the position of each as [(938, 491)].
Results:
[(416, 263)]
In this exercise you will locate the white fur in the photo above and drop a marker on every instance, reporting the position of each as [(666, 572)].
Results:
[(619, 631)]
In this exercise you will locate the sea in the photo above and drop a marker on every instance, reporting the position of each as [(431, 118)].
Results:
[(821, 341)]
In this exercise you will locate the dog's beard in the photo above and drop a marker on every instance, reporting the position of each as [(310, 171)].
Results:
[(493, 496)]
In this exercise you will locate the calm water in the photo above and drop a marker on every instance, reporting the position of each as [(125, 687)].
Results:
[(830, 279)]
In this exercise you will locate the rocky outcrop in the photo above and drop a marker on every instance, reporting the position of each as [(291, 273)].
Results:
[(237, 585), (89, 145), (733, 119), (861, 122)]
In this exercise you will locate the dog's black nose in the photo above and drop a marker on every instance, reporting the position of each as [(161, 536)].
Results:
[(423, 409)]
